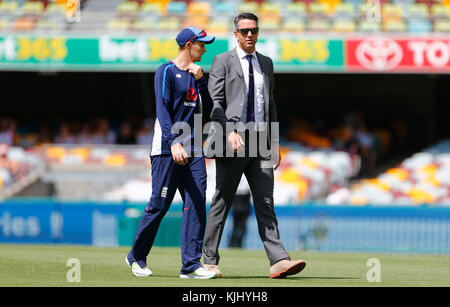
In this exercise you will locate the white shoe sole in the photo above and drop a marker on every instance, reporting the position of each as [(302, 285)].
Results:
[(140, 275), (135, 273), (192, 276)]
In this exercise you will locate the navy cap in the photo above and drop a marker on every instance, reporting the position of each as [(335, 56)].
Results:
[(193, 34)]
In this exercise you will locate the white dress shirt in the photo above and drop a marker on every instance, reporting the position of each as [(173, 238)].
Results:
[(259, 86)]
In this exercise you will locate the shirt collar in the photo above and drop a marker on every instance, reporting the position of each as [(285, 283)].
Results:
[(242, 54)]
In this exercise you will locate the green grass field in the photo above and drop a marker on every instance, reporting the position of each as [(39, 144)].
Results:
[(45, 265)]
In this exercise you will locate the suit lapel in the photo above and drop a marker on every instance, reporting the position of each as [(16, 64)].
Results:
[(237, 63)]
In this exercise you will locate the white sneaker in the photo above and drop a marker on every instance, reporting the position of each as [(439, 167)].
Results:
[(138, 271), (200, 273)]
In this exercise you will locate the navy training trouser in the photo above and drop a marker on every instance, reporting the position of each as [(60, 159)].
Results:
[(167, 177)]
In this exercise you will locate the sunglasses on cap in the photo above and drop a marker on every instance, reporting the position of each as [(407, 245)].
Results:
[(245, 31), (201, 34)]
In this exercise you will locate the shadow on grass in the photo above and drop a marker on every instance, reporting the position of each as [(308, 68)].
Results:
[(288, 278)]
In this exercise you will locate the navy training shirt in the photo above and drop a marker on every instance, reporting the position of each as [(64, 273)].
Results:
[(178, 98)]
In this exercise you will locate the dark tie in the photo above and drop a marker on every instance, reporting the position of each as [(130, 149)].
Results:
[(251, 91)]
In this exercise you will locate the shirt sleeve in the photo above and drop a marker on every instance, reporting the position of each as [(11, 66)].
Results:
[(164, 95)]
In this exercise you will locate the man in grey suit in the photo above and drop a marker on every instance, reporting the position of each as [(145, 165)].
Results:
[(241, 86)]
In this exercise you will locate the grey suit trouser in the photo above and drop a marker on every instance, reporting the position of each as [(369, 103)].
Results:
[(261, 182)]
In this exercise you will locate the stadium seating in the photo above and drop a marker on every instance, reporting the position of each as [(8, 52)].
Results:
[(422, 178), (18, 168), (341, 16), (23, 15), (303, 175)]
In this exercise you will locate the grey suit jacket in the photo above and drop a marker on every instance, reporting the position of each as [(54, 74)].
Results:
[(226, 86)]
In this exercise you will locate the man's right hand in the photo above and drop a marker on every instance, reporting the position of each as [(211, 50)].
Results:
[(235, 141), (179, 155)]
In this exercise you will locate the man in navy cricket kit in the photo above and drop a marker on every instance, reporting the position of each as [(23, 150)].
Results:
[(181, 91)]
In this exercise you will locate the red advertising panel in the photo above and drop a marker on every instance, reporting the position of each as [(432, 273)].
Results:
[(388, 54)]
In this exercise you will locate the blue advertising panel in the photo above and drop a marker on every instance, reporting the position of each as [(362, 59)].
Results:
[(56, 222)]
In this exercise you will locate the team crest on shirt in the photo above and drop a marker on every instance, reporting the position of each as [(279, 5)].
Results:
[(191, 98)]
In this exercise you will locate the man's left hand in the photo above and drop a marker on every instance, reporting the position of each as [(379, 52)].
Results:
[(276, 156), (196, 70)]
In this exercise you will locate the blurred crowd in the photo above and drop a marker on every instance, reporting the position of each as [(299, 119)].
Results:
[(98, 131), (351, 134)]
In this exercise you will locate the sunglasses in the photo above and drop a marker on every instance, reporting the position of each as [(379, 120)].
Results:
[(245, 31), (201, 34)]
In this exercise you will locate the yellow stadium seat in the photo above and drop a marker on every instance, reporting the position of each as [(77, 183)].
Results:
[(201, 8), (391, 10), (319, 24), (442, 25), (318, 9), (420, 196), (293, 25), (121, 24), (270, 8), (163, 3), (81, 152), (394, 25), (439, 10), (248, 7), (331, 4), (345, 25), (270, 15), (4, 23), (55, 152), (399, 173), (270, 23), (344, 9), (418, 10), (219, 26), (197, 14), (198, 21), (169, 24), (152, 8), (128, 8), (296, 9), (33, 7), (114, 160), (142, 25), (292, 176), (55, 8), (367, 26), (8, 7)]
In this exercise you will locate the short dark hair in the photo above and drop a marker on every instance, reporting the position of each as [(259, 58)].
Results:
[(244, 16)]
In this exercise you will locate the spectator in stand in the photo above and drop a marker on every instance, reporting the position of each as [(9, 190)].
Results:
[(144, 136), (366, 149), (7, 130), (43, 135), (102, 132), (126, 135), (65, 135), (346, 140), (85, 136)]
